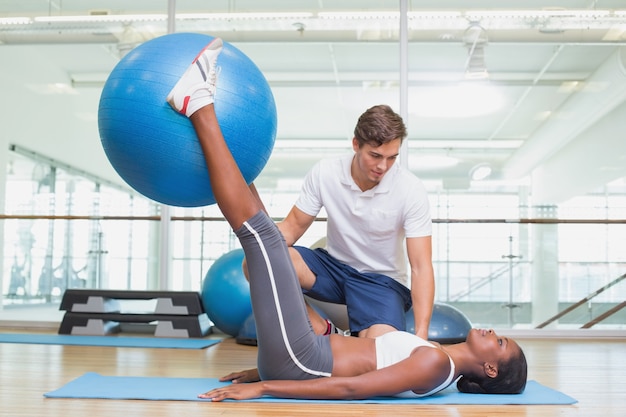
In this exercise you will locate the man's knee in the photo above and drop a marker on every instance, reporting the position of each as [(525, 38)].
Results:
[(376, 330), (305, 275)]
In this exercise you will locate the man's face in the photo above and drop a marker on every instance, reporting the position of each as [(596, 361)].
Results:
[(372, 163)]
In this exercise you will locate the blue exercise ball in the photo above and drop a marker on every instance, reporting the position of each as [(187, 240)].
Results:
[(155, 149), (448, 324), (247, 332), (226, 293)]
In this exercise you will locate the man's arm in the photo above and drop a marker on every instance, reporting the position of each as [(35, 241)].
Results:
[(294, 225), (419, 250)]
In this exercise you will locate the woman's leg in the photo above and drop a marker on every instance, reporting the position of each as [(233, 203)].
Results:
[(288, 348), (231, 192), (193, 95)]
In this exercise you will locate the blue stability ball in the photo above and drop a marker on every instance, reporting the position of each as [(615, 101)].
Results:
[(448, 324), (247, 332), (226, 293), (155, 149)]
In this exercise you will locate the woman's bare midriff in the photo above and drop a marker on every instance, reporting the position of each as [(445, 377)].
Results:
[(352, 355)]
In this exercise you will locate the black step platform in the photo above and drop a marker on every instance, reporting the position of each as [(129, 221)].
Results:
[(98, 312)]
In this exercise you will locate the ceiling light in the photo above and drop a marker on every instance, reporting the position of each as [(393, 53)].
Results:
[(475, 39), (243, 16), (115, 18), (358, 15), (546, 13), (475, 68), (311, 144), (431, 162), (464, 144), (467, 99), (480, 172), (446, 20), (15, 20), (52, 88), (434, 15)]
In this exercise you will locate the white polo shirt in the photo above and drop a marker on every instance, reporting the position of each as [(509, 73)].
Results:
[(366, 229)]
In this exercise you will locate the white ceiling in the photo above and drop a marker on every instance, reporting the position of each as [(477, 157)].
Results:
[(561, 76)]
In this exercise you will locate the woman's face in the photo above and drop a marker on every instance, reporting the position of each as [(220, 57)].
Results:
[(489, 347)]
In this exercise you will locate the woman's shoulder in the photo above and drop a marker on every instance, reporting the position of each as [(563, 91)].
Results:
[(435, 368), (433, 355)]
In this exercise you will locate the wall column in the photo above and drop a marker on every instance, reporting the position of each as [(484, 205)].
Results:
[(545, 266), (4, 157)]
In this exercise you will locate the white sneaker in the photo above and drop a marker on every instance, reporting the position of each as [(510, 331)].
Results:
[(196, 88), (332, 329)]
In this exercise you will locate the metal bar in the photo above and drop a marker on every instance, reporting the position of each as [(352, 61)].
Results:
[(581, 302), (203, 218), (605, 315)]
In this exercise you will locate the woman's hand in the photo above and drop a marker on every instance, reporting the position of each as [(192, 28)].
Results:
[(234, 392), (249, 375)]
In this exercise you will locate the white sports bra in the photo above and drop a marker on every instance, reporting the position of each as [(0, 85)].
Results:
[(396, 346)]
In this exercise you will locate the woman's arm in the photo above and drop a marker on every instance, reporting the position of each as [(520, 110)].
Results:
[(423, 370), (249, 375), (332, 388)]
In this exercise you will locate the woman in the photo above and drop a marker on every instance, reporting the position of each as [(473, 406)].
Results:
[(294, 362)]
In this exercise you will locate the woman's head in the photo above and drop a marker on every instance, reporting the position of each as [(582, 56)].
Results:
[(379, 125), (504, 370)]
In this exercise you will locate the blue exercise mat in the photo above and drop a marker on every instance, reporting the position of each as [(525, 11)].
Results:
[(93, 385), (112, 341)]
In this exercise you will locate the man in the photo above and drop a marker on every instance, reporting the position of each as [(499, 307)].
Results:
[(374, 206)]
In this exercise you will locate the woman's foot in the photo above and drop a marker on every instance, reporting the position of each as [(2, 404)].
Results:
[(196, 88)]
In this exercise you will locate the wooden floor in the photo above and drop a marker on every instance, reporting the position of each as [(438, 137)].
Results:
[(593, 372)]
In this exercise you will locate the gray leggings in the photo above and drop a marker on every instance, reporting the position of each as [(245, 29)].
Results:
[(287, 346)]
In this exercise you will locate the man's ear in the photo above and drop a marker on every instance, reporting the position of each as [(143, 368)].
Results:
[(355, 144), (490, 369)]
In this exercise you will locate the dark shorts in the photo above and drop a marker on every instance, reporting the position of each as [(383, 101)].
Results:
[(369, 297)]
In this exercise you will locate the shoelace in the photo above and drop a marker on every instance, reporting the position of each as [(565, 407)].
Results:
[(212, 79)]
